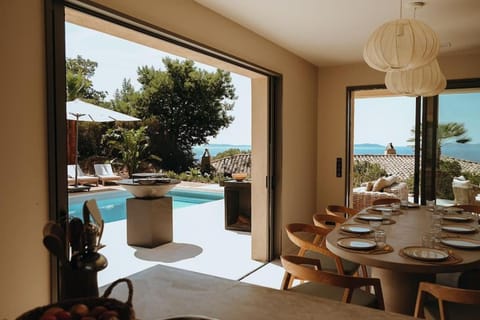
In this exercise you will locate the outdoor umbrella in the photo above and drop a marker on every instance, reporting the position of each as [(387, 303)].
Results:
[(79, 110)]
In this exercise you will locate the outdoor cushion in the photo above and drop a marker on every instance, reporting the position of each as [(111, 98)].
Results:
[(328, 263)]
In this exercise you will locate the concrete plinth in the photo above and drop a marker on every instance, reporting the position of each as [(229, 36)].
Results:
[(149, 221)]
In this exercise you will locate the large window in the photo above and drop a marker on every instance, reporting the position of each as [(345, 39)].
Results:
[(431, 144)]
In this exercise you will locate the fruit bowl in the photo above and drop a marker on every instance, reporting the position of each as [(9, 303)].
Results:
[(239, 176)]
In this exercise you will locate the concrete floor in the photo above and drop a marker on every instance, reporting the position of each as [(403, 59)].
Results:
[(200, 243)]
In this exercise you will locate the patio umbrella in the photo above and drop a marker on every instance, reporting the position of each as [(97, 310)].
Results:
[(79, 110)]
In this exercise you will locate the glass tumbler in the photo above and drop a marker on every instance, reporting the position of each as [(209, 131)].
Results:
[(380, 238)]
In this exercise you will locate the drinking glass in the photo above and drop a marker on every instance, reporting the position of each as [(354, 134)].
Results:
[(375, 224), (428, 240), (380, 238)]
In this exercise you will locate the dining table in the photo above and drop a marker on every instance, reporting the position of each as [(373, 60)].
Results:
[(403, 260)]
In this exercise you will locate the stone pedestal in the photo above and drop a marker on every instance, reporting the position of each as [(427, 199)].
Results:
[(149, 221)]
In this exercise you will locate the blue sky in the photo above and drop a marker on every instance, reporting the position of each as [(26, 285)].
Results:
[(384, 120), (118, 59)]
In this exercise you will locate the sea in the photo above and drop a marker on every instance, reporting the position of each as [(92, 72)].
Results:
[(467, 151)]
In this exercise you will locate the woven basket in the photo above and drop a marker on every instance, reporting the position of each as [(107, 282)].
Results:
[(124, 309)]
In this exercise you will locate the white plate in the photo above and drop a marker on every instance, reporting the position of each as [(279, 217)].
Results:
[(370, 217), (425, 254), (456, 217), (462, 243), (356, 243), (356, 228), (383, 209), (458, 228)]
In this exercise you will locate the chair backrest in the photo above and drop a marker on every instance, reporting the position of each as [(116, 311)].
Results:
[(308, 269), (328, 221), (71, 171), (308, 237), (377, 202), (103, 169), (445, 294), (342, 211), (469, 207)]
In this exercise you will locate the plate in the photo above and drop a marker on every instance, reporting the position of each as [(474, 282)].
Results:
[(425, 254), (356, 243), (383, 209), (411, 205), (461, 243), (370, 217), (458, 228), (455, 217), (356, 228)]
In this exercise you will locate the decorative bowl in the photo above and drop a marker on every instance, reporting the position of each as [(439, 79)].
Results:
[(141, 190), (239, 176)]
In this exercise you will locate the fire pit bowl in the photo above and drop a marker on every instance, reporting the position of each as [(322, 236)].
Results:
[(148, 188)]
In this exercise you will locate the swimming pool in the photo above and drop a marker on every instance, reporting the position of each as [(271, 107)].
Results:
[(112, 204)]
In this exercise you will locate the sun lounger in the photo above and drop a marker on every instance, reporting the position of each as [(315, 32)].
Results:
[(105, 173), (82, 178)]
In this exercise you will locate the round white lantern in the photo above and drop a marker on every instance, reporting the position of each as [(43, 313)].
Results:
[(400, 45), (423, 81)]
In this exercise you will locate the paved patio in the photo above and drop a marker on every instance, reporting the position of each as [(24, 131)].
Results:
[(200, 243)]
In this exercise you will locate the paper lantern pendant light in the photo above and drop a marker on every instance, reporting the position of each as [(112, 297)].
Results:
[(423, 81), (401, 44)]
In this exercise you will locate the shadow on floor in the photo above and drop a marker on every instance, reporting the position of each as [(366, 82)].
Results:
[(168, 253)]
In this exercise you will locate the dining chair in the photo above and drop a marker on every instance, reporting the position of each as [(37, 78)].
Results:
[(449, 302), (342, 211), (319, 282), (310, 240), (329, 221), (380, 201)]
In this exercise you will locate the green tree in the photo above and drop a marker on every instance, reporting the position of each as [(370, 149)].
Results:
[(183, 106), (228, 153), (131, 146), (79, 73), (125, 99)]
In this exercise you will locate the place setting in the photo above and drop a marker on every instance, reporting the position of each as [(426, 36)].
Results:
[(380, 218), (372, 245), (430, 255)]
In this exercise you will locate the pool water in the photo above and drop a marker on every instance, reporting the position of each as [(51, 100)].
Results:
[(113, 206)]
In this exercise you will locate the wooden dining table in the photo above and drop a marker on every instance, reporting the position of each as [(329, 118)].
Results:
[(400, 274)]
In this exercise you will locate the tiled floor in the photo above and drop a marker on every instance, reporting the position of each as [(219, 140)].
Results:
[(200, 243)]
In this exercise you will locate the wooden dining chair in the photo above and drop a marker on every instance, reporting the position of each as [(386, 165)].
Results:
[(449, 302), (341, 211), (329, 285), (329, 221), (310, 240), (380, 201)]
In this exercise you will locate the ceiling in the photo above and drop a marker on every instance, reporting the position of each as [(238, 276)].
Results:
[(332, 33)]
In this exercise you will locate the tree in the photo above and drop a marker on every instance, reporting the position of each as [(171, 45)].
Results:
[(183, 106), (125, 99), (447, 131), (130, 144), (79, 72)]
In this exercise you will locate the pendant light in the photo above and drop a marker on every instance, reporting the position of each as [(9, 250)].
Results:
[(423, 81), (401, 44)]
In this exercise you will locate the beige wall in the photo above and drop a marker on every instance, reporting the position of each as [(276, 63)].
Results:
[(24, 207), (24, 269), (332, 84)]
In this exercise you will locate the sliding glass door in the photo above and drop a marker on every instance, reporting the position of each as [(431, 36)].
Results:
[(430, 144)]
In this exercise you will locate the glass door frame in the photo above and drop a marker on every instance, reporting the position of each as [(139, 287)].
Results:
[(426, 122)]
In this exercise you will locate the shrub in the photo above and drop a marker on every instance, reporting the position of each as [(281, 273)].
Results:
[(364, 171), (228, 153), (447, 170)]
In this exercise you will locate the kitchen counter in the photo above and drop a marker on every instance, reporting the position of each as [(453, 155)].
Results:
[(162, 292)]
